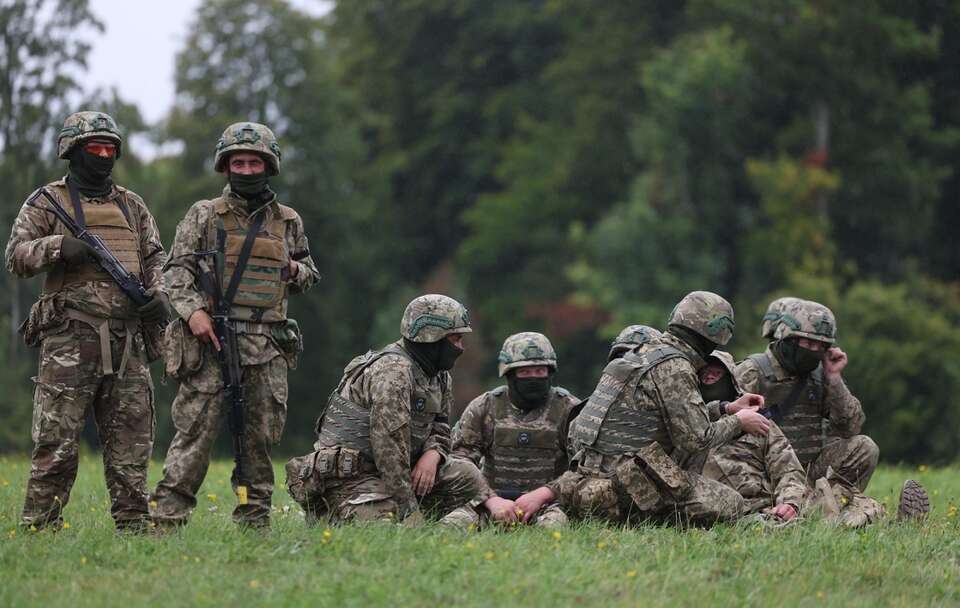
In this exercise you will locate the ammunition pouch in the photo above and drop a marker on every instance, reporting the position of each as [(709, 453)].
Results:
[(182, 351), (652, 479), (307, 476), (47, 316)]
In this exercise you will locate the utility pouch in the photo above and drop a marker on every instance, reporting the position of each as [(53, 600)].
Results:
[(635, 482), (664, 472), (182, 351), (46, 317)]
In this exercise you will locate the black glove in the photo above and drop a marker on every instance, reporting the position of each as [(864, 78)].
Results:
[(75, 252), (157, 310)]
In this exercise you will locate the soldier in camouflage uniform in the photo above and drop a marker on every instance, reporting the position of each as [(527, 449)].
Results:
[(279, 264), (800, 377), (762, 468), (384, 435), (646, 404), (95, 343), (518, 431)]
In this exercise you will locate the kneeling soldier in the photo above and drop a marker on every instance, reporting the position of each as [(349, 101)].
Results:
[(384, 434), (518, 431)]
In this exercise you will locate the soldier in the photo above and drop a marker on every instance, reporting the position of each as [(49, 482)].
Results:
[(762, 468), (800, 377), (245, 221), (646, 404), (518, 431), (384, 435), (95, 343), (774, 313)]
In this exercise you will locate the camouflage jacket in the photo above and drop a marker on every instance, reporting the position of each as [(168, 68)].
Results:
[(181, 271), (473, 435), (387, 387), (34, 247), (833, 402), (764, 470), (668, 397)]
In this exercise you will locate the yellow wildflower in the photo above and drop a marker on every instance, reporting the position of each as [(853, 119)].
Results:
[(212, 497), (821, 595), (556, 535), (83, 560), (153, 504), (923, 468), (254, 584), (327, 533), (488, 555), (631, 573), (601, 545), (66, 525)]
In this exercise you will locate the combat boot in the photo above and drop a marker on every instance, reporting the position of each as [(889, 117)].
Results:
[(914, 501)]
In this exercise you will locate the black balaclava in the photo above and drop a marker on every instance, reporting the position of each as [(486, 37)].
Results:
[(90, 172), (528, 393), (433, 357), (700, 344), (794, 358), (721, 390), (252, 188)]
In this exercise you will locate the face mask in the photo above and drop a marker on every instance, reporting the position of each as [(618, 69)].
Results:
[(448, 355), (248, 187), (721, 390), (794, 359), (700, 344), (433, 357), (528, 393), (91, 173)]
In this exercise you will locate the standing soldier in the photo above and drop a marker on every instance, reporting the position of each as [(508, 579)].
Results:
[(260, 256), (95, 342), (384, 434), (518, 431), (800, 376), (646, 404)]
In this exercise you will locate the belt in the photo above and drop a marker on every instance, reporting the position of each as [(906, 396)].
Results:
[(103, 327), (252, 327)]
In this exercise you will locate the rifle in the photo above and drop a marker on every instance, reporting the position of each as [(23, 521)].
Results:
[(125, 280), (223, 327)]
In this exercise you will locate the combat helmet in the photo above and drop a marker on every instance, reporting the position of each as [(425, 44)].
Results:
[(705, 313), (774, 312), (726, 360), (85, 125), (630, 337), (526, 349), (432, 317), (248, 137), (807, 319)]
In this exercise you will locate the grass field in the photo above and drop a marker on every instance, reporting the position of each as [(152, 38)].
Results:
[(211, 562)]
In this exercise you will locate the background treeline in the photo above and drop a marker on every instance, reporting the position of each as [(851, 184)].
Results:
[(560, 165)]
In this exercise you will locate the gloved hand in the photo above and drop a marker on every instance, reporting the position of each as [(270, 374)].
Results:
[(75, 252), (157, 310)]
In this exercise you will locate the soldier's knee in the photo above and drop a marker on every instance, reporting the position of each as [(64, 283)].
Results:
[(866, 450), (463, 473)]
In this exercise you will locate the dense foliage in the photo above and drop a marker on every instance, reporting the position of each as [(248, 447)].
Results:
[(567, 167)]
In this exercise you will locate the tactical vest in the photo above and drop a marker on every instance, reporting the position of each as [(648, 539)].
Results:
[(261, 295), (804, 423), (524, 454), (607, 424), (347, 424), (108, 220)]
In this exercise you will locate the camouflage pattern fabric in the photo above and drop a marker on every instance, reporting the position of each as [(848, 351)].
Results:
[(764, 470), (69, 384), (526, 349), (86, 125), (432, 317), (250, 137), (773, 315), (705, 313), (806, 319), (196, 232), (199, 413), (453, 499), (630, 337)]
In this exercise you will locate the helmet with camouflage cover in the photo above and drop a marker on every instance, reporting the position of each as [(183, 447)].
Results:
[(705, 313), (807, 319), (248, 137), (774, 312), (86, 125), (631, 337), (432, 317), (526, 349)]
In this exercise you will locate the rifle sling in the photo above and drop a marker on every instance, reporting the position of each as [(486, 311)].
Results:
[(242, 262), (782, 410), (77, 206)]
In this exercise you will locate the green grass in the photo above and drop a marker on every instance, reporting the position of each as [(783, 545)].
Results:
[(211, 562)]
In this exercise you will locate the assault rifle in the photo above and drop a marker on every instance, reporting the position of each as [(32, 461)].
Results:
[(229, 353), (125, 280)]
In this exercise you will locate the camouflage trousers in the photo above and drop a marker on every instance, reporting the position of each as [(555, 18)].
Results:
[(199, 413), (853, 460), (705, 502), (366, 498), (70, 382)]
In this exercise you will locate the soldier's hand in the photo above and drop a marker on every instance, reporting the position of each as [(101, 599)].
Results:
[(157, 310), (784, 512), (752, 421), (201, 326), (75, 252), (530, 503), (834, 362), (424, 474), (745, 401), (501, 510)]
